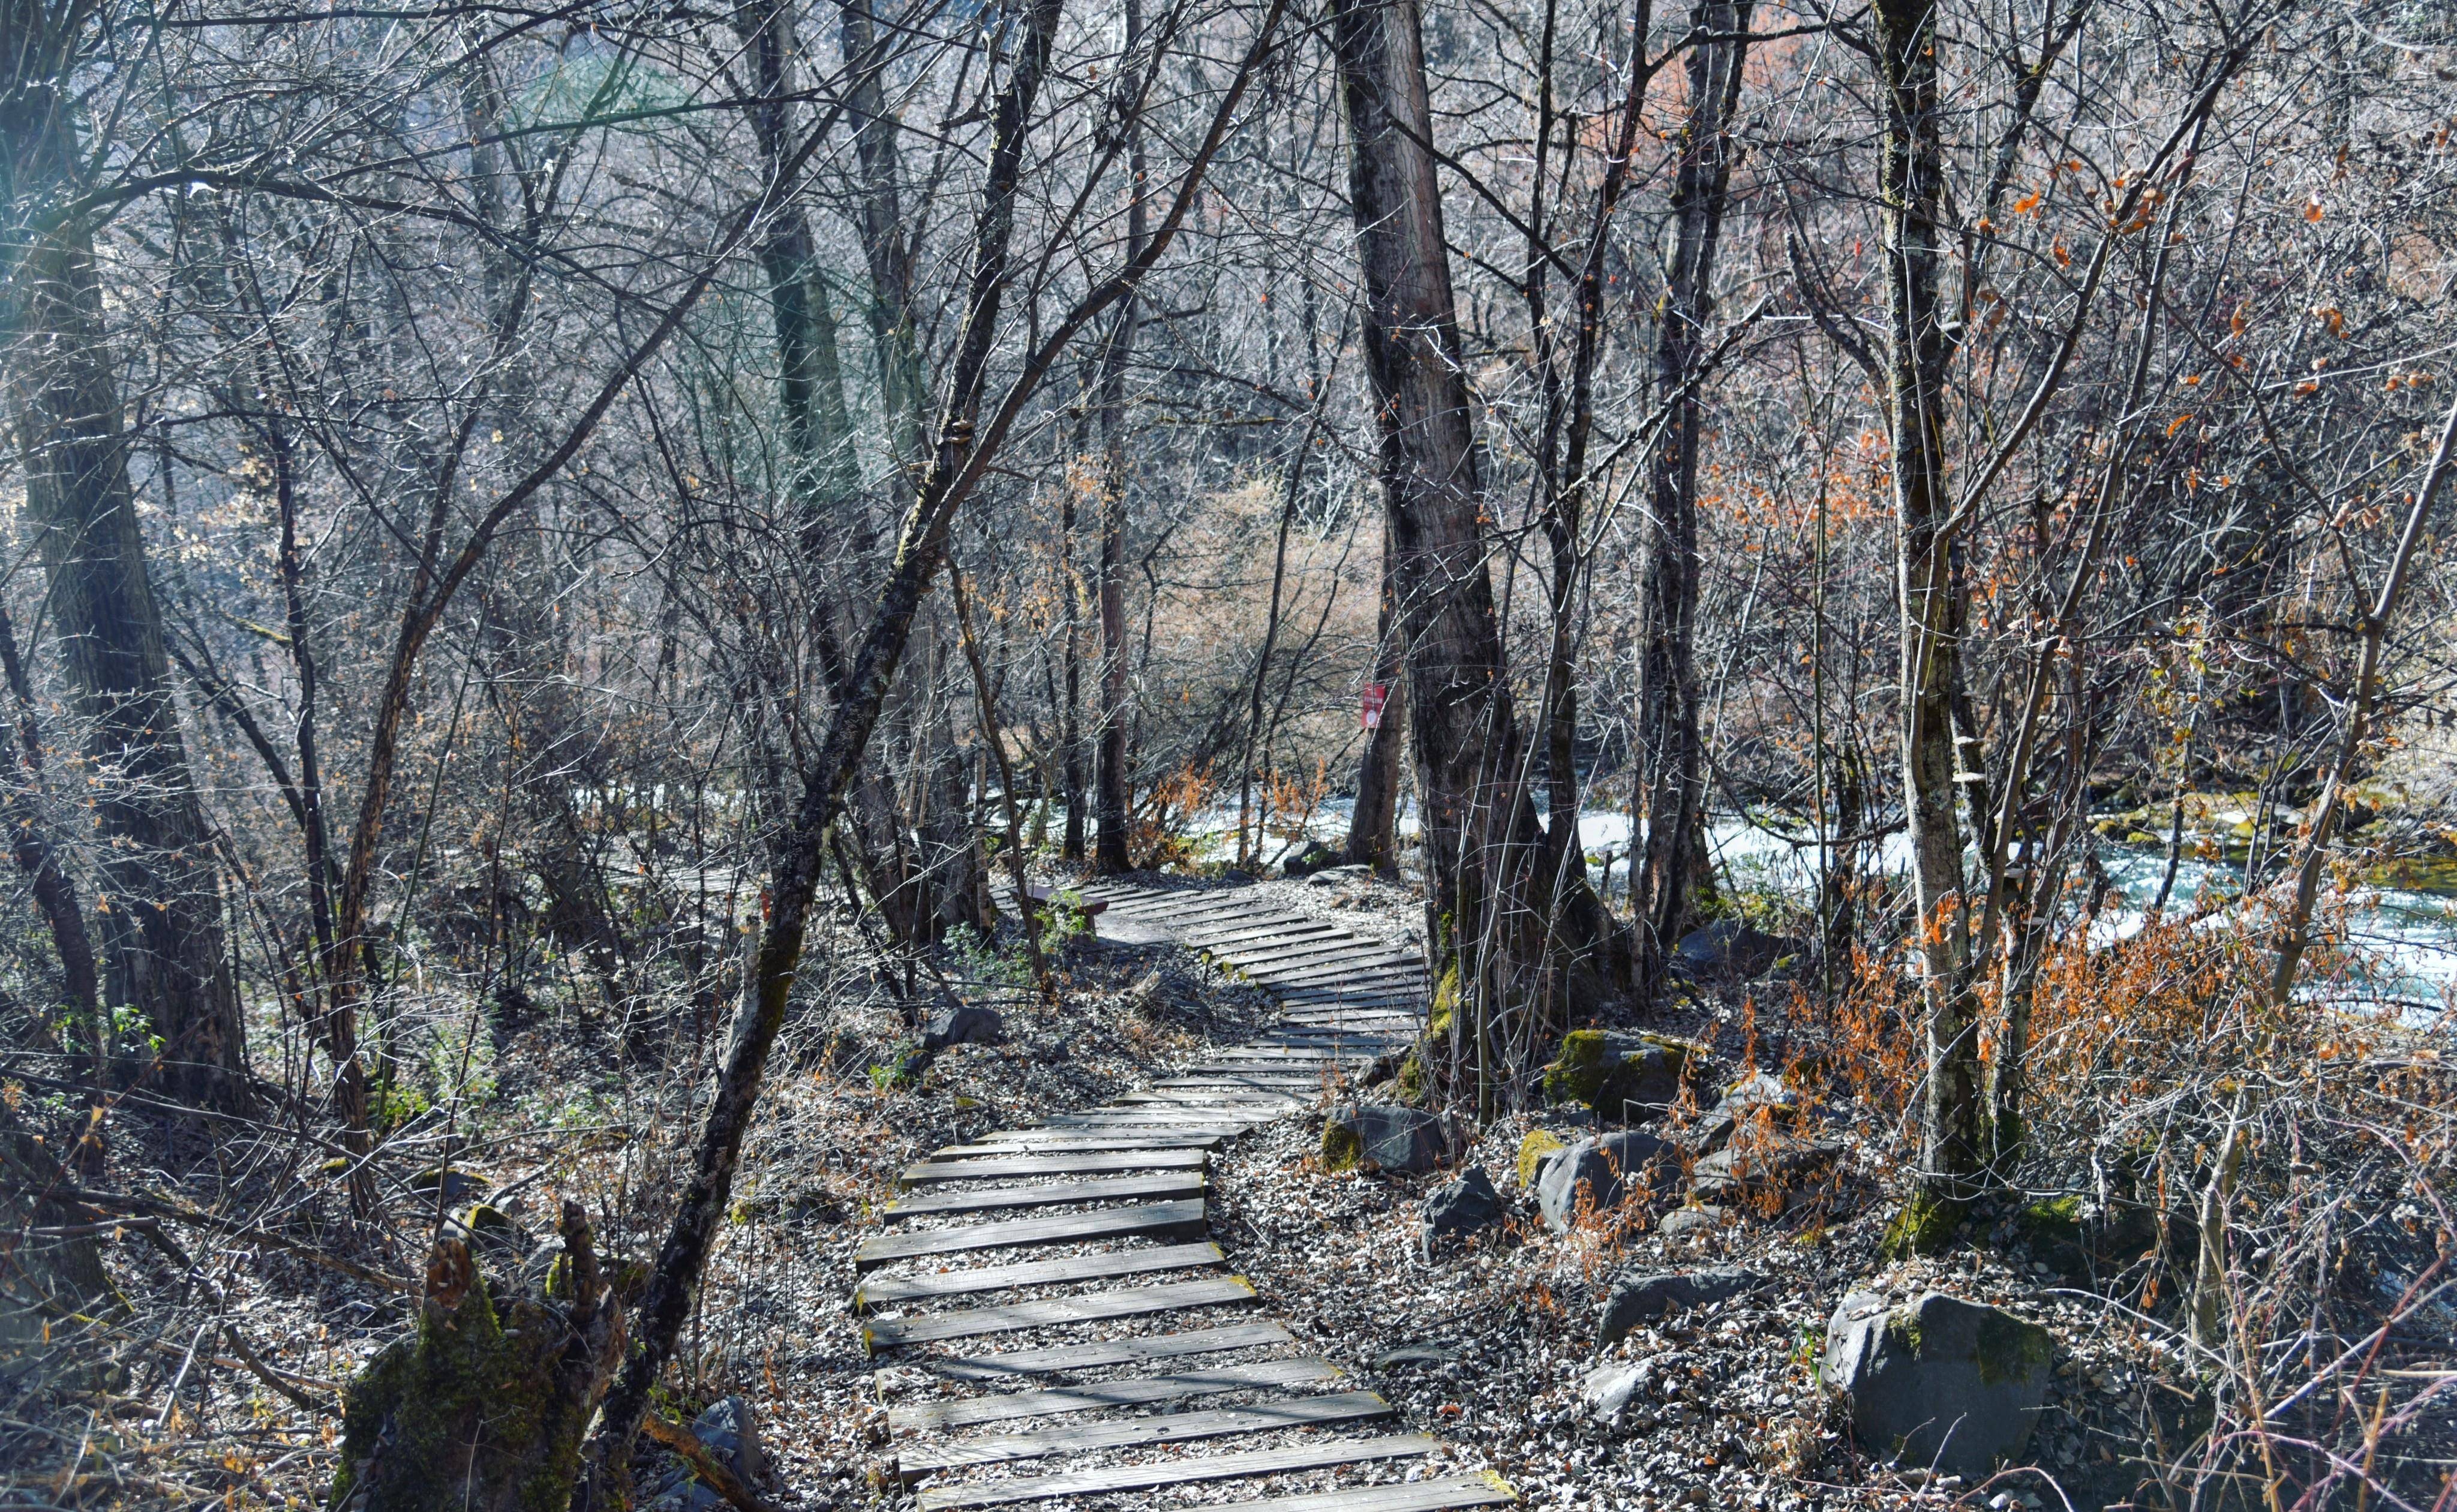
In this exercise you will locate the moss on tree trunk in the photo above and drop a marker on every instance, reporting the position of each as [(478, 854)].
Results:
[(485, 1406)]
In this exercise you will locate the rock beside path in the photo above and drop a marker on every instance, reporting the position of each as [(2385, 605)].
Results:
[(962, 1023), (1729, 949), (1466, 1205), (1598, 1173), (1374, 1136), (1761, 1163), (730, 1435), (1641, 1296), (1940, 1381), (1623, 1076)]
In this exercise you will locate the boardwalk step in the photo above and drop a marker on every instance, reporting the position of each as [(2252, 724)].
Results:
[(1017, 1141), (1133, 1391), (1023, 1364), (1293, 1412), (1180, 1471), (1175, 1219), (1073, 1163), (1483, 1489), (879, 1291), (1168, 1184), (896, 1333)]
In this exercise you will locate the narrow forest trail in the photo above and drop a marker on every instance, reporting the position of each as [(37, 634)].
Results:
[(1138, 1308)]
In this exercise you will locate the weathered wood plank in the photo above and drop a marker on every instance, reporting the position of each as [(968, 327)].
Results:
[(1167, 1184), (1008, 1142), (1134, 1391), (1262, 1103), (1023, 1364), (1134, 1301), (1482, 1489), (1231, 938), (1179, 1471), (1262, 954), (1072, 1163), (879, 1291), (1309, 976), (1183, 1427), (1113, 1118), (1176, 1219)]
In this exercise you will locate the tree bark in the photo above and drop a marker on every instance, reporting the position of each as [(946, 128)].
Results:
[(1670, 756), (1911, 186), (895, 334), (1373, 826), (163, 928), (1110, 775), (1488, 917)]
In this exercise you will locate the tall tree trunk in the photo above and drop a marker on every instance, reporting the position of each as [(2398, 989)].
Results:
[(1373, 826), (1110, 774), (1487, 912), (1070, 718), (47, 876), (1670, 755), (895, 334), (164, 928), (1911, 185)]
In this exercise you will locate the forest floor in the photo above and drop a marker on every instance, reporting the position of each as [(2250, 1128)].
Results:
[(1484, 1344)]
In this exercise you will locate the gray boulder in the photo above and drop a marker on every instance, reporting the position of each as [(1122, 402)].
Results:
[(1759, 1163), (962, 1023), (1374, 1136), (1680, 1222), (1940, 1382), (727, 1431), (1464, 1207), (1730, 948), (1756, 1099), (1600, 1172), (1315, 857), (1608, 1389), (1643, 1297)]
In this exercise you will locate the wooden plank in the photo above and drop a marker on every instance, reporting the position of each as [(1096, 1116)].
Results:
[(1312, 974), (1112, 1118), (1133, 1301), (1182, 1470), (877, 1291), (1230, 937), (1072, 1163), (1094, 1120), (1008, 1142), (1481, 1489), (1181, 1427), (1264, 954), (1185, 906), (1352, 982), (1239, 1100), (1177, 1219), (1023, 1364), (1231, 1082), (1167, 1184), (1134, 1391)]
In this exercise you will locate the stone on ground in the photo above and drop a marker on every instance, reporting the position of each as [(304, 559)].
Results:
[(1373, 1136), (1623, 1076), (1466, 1205), (963, 1023), (1940, 1382), (1315, 857), (731, 1437), (1756, 1099), (1640, 1296), (1730, 948), (1761, 1162), (1599, 1174), (1704, 1218), (1608, 1389)]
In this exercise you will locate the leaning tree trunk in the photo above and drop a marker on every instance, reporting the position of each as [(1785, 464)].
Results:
[(164, 931), (1910, 187), (1670, 754)]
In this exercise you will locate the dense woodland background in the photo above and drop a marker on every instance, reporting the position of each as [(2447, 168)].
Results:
[(614, 527)]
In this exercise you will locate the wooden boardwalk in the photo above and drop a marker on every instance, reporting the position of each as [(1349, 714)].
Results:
[(1142, 1367)]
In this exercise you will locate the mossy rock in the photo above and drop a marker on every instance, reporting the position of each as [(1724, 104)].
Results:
[(1615, 1073), (1925, 1226), (1342, 1150), (1532, 1151)]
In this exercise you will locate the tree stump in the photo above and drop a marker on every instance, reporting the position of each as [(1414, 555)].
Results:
[(485, 1406)]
